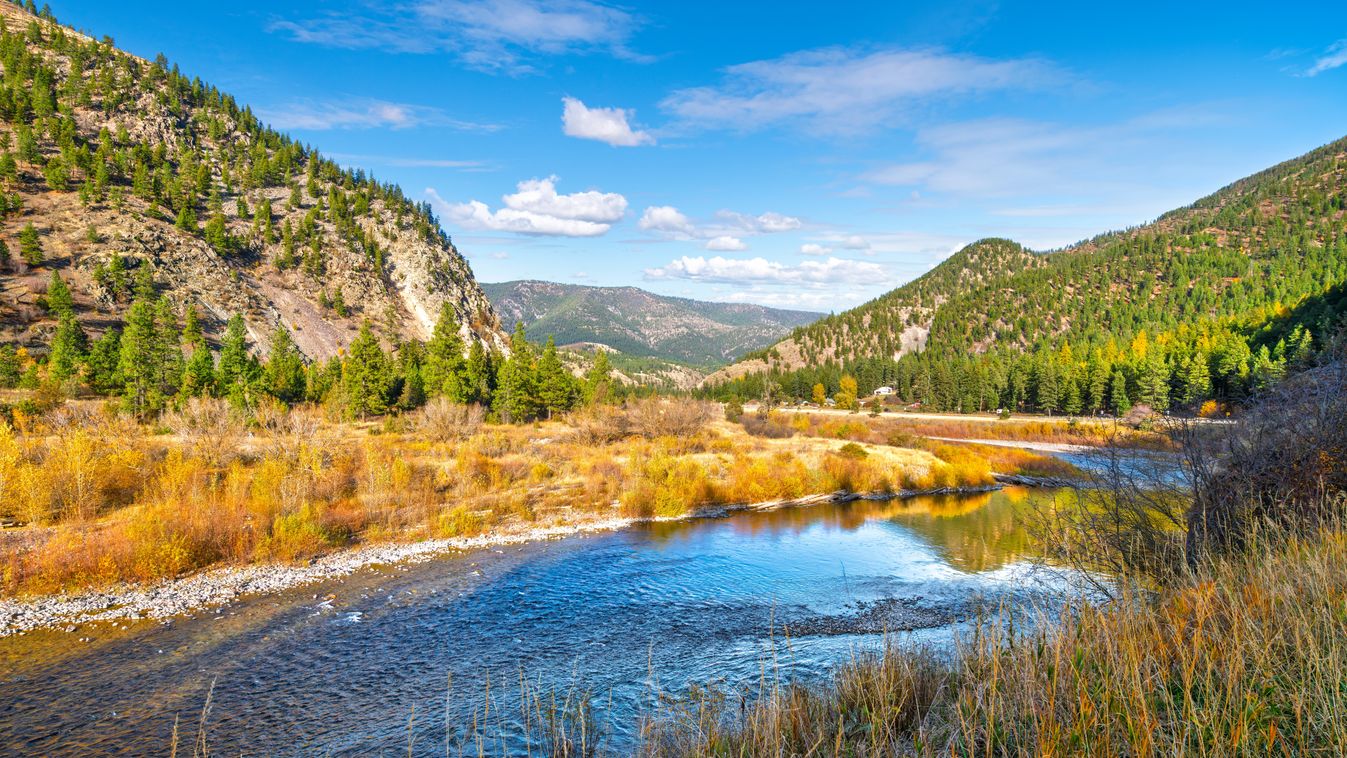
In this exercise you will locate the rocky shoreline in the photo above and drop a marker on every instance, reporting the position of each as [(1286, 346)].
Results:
[(219, 586)]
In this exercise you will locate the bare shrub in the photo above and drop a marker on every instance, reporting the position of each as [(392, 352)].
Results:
[(442, 420), (600, 425), (1283, 462), (213, 427), (768, 427), (668, 417)]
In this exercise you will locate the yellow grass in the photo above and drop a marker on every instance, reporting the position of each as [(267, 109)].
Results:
[(103, 500)]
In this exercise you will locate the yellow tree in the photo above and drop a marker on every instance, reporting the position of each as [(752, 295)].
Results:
[(820, 394), (846, 397)]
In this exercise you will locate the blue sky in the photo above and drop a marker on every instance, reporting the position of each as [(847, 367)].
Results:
[(794, 154)]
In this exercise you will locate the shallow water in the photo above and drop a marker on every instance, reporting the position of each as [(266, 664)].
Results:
[(362, 665)]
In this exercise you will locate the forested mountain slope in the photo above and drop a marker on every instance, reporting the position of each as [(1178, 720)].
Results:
[(639, 323), (110, 164), (1153, 302)]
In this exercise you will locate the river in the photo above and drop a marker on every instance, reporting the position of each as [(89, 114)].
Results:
[(365, 664)]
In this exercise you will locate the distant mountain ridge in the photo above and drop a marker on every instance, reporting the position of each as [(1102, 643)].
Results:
[(640, 323)]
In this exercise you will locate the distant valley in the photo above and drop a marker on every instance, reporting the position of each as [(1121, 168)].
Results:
[(641, 324)]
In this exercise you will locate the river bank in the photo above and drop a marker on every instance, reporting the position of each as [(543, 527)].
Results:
[(166, 599)]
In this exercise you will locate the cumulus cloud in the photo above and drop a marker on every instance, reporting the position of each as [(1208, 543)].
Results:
[(361, 113), (491, 35), (608, 125), (536, 208), (750, 270), (811, 248), (1334, 57), (838, 90), (666, 219), (726, 243)]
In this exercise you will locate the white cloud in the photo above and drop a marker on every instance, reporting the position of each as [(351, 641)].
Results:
[(855, 242), (1334, 57), (492, 35), (666, 219), (603, 124), (726, 243), (670, 222), (749, 270), (837, 90), (766, 223), (361, 113), (811, 248), (537, 209)]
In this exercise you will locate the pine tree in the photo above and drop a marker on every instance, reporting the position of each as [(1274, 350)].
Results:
[(516, 397), (186, 220), (366, 378), (284, 372), (237, 369), (192, 334), (1118, 400), (1154, 383), (442, 369), (198, 375), (102, 361), (30, 244), (139, 362), (10, 370), (479, 376), (599, 378), (68, 347), (1196, 379), (1047, 393), (556, 386), (59, 300)]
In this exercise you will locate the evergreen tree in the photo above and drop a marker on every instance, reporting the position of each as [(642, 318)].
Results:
[(479, 376), (599, 378), (1118, 400), (1154, 383), (10, 370), (198, 375), (192, 334), (1047, 394), (30, 244), (102, 361), (366, 378), (139, 361), (59, 300), (443, 367), (556, 386), (237, 369), (284, 374), (516, 397), (68, 347), (1196, 379)]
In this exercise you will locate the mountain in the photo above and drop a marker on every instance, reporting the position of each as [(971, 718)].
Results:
[(639, 323), (113, 168), (1188, 283)]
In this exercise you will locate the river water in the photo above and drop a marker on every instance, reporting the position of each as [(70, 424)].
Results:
[(412, 654)]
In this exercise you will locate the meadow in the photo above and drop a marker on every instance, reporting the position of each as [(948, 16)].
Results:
[(94, 498)]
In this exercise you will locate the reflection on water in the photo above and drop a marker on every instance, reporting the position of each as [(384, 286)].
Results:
[(340, 668)]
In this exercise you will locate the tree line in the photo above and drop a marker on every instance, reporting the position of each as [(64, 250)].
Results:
[(154, 360)]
